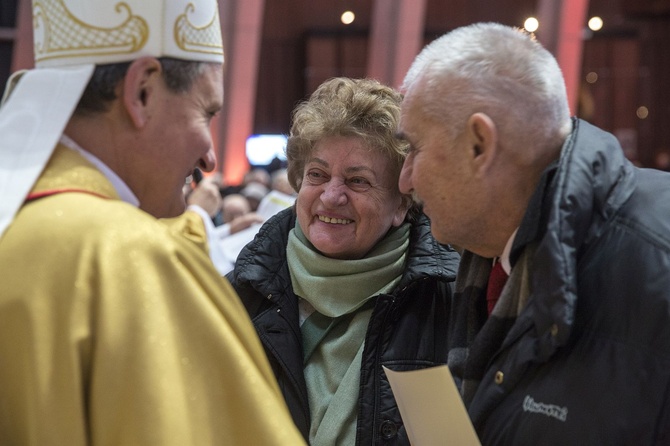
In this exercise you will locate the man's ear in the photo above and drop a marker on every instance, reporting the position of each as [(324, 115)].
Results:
[(400, 213), (483, 139), (139, 88)]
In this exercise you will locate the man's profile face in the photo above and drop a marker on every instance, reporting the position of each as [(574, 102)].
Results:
[(439, 173), (182, 140)]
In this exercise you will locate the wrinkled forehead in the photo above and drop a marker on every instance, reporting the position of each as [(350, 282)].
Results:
[(77, 32)]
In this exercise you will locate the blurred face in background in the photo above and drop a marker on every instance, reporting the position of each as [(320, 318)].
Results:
[(233, 206)]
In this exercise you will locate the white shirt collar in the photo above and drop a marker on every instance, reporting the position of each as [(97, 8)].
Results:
[(504, 258), (121, 187)]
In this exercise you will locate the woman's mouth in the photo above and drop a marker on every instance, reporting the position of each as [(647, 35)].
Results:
[(335, 221)]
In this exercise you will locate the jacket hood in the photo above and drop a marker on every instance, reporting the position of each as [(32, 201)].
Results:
[(591, 184)]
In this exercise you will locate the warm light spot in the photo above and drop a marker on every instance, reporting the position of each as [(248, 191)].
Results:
[(592, 77), (348, 17), (595, 23), (642, 112), (531, 24)]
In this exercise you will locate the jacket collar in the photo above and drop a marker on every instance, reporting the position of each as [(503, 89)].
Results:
[(572, 205), (262, 263)]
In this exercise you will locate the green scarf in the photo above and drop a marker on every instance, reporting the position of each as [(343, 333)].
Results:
[(336, 287), (339, 289)]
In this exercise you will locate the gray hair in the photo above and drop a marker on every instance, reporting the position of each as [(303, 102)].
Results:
[(179, 76), (494, 69)]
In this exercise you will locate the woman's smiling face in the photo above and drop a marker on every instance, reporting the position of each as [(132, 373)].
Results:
[(348, 199)]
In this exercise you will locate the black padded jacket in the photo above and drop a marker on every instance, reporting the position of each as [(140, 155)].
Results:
[(407, 329), (588, 359)]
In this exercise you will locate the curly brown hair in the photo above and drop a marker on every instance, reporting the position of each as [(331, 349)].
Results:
[(342, 106)]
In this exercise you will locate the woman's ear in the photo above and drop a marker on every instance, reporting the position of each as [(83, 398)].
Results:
[(483, 138), (139, 89)]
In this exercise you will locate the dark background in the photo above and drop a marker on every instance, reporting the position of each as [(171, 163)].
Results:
[(304, 43)]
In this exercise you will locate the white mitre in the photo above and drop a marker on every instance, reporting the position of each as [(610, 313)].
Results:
[(71, 37)]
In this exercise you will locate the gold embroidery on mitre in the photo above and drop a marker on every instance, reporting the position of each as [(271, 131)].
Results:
[(65, 36), (204, 39)]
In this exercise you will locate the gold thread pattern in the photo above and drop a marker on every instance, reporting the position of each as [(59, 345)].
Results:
[(204, 39), (65, 36)]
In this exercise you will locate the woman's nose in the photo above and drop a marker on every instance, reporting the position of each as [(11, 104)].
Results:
[(334, 194)]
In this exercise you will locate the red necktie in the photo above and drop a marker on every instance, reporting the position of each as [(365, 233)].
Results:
[(497, 280)]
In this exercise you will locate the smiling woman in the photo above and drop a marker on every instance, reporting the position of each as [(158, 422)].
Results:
[(349, 198), (333, 269)]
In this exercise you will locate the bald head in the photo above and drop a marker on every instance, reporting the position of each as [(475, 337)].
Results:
[(233, 206)]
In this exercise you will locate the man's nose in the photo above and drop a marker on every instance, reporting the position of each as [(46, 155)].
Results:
[(208, 162)]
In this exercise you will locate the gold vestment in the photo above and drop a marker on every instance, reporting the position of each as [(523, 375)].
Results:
[(115, 328)]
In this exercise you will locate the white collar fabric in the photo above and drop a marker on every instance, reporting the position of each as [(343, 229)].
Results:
[(504, 258), (121, 187)]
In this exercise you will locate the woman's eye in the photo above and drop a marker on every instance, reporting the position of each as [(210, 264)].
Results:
[(358, 183), (315, 176)]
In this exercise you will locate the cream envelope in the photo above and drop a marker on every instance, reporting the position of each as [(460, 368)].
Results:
[(431, 407)]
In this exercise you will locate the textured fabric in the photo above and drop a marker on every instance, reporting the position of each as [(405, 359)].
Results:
[(587, 360), (116, 330), (406, 331), (121, 188), (336, 287), (313, 330), (497, 280), (485, 342), (332, 377)]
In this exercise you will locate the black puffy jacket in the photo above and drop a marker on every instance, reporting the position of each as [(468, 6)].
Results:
[(407, 329), (587, 361)]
